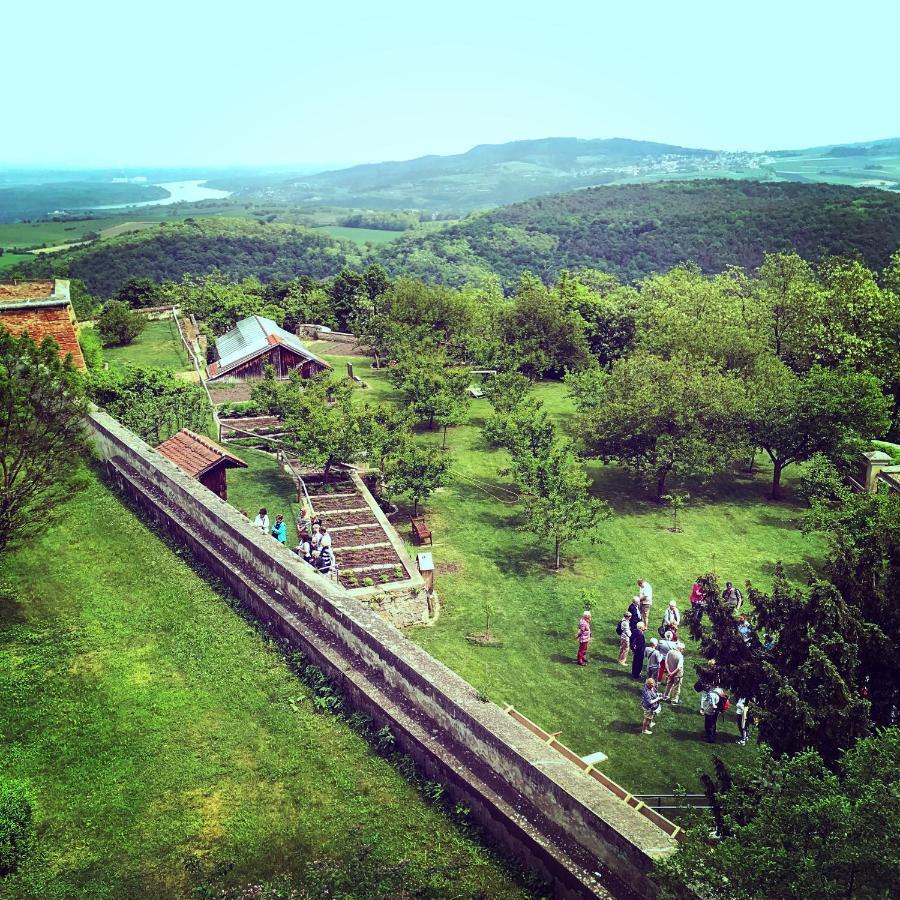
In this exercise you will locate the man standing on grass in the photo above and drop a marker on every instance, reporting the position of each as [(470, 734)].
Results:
[(638, 646), (710, 698), (732, 597), (584, 637), (645, 596), (674, 674), (623, 629), (655, 656)]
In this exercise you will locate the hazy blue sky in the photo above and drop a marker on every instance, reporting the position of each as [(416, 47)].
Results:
[(196, 82)]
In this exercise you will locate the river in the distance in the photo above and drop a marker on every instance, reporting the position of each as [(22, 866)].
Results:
[(179, 192)]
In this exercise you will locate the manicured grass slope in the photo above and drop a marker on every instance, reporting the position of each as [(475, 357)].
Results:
[(155, 726), (481, 556)]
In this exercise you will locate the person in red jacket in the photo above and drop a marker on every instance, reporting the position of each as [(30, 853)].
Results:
[(584, 637)]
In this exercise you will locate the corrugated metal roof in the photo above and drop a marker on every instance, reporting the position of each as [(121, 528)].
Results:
[(252, 336)]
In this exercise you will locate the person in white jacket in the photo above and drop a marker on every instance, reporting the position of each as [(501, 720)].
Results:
[(262, 521), (672, 617)]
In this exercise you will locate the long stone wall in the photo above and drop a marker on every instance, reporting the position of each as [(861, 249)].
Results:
[(530, 799)]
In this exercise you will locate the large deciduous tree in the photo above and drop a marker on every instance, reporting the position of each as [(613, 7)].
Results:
[(790, 827), (546, 335), (793, 417), (41, 433), (662, 417)]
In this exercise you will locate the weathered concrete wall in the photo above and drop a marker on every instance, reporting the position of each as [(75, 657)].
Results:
[(530, 799)]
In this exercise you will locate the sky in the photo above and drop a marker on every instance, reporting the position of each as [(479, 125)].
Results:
[(280, 83)]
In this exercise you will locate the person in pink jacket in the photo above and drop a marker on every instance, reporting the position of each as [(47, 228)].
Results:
[(584, 637)]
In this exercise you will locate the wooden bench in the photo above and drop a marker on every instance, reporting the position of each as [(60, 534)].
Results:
[(421, 531)]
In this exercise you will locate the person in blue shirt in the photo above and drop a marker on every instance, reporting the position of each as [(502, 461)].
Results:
[(279, 532)]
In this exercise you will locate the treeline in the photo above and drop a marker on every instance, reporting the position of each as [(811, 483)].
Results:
[(238, 248), (632, 231)]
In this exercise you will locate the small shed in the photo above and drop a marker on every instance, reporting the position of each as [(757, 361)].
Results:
[(256, 342), (196, 455)]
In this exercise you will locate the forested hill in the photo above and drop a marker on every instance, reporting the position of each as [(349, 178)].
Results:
[(633, 230), (486, 175), (236, 247)]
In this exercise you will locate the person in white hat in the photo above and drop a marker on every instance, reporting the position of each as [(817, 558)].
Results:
[(672, 617)]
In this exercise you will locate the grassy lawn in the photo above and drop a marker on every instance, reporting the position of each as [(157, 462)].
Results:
[(266, 484), (8, 260), (159, 731), (729, 526), (158, 346)]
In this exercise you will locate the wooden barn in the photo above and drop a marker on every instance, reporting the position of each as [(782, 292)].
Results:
[(256, 342), (196, 455)]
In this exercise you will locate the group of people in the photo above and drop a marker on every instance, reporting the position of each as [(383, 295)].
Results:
[(314, 546), (664, 658)]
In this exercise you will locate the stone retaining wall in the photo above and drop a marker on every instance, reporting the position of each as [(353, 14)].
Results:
[(529, 799)]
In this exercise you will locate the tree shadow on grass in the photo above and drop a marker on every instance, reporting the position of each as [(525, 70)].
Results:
[(560, 658)]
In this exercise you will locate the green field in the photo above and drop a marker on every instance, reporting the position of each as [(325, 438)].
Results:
[(157, 346), (361, 236), (8, 260), (482, 557), (170, 751)]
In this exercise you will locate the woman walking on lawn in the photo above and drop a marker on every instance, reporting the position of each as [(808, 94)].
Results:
[(650, 701), (584, 637)]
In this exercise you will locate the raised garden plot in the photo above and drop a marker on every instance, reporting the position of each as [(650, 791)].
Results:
[(351, 580), (356, 517), (351, 559), (323, 504)]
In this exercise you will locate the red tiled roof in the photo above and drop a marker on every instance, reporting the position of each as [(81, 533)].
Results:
[(39, 321), (196, 454), (25, 290)]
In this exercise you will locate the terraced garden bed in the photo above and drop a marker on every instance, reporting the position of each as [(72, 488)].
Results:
[(356, 517), (324, 503), (372, 577), (349, 559)]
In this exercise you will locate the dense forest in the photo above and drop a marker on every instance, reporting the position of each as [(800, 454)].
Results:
[(634, 230), (238, 248), (630, 231)]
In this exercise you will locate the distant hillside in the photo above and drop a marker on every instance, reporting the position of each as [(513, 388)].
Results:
[(34, 201), (492, 175), (633, 230), (486, 175), (236, 247)]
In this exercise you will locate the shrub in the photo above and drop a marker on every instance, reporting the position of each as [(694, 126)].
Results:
[(118, 325), (368, 581), (91, 348), (16, 825)]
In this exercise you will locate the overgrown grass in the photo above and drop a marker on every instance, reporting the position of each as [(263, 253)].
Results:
[(169, 747), (158, 346)]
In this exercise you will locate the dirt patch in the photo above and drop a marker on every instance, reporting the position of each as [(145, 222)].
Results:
[(233, 394), (447, 568), (483, 639)]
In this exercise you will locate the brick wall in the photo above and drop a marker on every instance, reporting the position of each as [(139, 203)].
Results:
[(531, 800)]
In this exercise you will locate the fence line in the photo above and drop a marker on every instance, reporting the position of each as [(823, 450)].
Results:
[(196, 363)]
